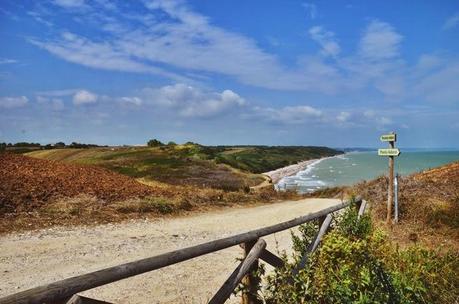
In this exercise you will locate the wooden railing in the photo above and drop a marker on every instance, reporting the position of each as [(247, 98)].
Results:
[(65, 291)]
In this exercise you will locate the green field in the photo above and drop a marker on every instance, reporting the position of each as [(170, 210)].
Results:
[(222, 167)]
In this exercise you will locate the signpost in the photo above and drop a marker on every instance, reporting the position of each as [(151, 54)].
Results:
[(388, 137), (391, 153), (388, 152)]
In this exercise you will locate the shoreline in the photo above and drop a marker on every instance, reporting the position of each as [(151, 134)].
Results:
[(278, 174)]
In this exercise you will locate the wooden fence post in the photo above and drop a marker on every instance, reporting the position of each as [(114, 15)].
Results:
[(251, 280)]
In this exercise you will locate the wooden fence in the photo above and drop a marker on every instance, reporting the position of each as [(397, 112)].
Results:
[(65, 291)]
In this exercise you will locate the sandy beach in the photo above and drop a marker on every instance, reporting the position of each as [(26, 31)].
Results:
[(278, 174)]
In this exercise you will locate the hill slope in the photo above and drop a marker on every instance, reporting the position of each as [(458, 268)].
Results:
[(36, 193), (429, 206), (221, 167), (27, 183)]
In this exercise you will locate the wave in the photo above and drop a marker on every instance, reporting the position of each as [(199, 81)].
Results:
[(301, 180)]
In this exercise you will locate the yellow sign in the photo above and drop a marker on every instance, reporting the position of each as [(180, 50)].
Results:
[(388, 152), (388, 137)]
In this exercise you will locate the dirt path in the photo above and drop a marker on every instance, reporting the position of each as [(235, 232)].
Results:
[(36, 258)]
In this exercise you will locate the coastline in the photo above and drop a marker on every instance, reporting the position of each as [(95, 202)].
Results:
[(279, 174)]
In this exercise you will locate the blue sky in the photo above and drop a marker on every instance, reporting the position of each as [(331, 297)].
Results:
[(335, 73)]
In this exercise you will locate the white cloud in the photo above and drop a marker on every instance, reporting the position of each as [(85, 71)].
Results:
[(161, 45), (441, 85), (13, 102), (287, 115), (189, 101), (428, 62), (379, 119), (380, 41), (343, 116), (70, 3), (105, 56), (369, 113), (84, 97), (326, 39), (451, 22), (57, 93), (7, 61), (169, 39), (56, 104), (136, 101), (392, 87), (311, 9)]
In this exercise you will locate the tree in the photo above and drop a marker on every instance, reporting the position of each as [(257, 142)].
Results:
[(59, 145), (154, 143), (171, 143)]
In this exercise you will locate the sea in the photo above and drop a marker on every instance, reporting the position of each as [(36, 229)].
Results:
[(353, 167)]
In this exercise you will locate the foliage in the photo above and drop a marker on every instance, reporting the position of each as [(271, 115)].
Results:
[(77, 145), (306, 235), (357, 264), (259, 159), (154, 143)]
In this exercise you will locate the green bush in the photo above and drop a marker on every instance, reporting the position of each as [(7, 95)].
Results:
[(357, 264), (154, 143)]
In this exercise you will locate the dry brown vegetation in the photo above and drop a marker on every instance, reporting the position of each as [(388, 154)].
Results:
[(37, 193), (429, 207)]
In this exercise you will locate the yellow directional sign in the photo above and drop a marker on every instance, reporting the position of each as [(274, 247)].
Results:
[(388, 137), (388, 152)]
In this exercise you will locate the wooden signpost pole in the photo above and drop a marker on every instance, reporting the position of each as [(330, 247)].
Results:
[(391, 152), (390, 196)]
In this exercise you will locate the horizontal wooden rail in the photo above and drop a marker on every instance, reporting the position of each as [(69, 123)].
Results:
[(62, 290)]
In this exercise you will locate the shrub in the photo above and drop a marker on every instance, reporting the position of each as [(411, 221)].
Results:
[(154, 143), (357, 264)]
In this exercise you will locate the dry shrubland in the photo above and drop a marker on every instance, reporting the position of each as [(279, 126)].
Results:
[(37, 193), (429, 206)]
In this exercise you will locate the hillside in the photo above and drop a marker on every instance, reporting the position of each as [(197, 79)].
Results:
[(37, 193), (429, 206), (221, 167)]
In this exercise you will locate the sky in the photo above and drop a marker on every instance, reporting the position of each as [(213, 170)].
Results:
[(227, 72)]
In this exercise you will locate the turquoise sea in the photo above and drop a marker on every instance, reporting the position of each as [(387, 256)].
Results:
[(350, 168)]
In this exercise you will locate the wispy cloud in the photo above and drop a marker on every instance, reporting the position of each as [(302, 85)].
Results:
[(55, 104), (13, 102), (159, 45), (83, 97), (451, 22), (311, 9), (326, 39), (380, 41), (70, 3), (286, 115), (189, 101), (169, 39), (7, 61), (74, 48), (343, 116)]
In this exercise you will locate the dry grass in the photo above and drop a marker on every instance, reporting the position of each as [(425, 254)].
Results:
[(429, 207), (169, 200)]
